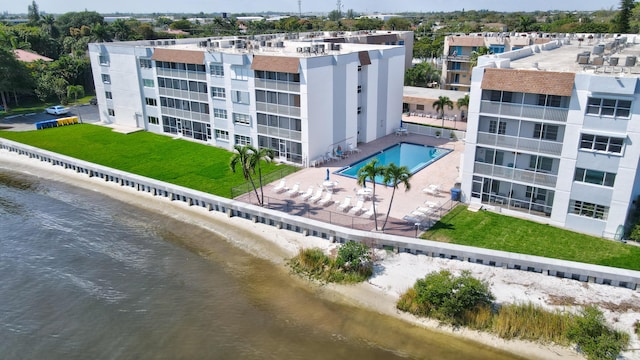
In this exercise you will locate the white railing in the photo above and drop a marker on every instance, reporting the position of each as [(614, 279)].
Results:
[(520, 143), (524, 111), (510, 173)]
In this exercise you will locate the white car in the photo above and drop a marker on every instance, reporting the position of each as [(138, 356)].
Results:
[(57, 110)]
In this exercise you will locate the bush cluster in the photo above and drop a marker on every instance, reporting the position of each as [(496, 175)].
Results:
[(464, 300), (351, 265)]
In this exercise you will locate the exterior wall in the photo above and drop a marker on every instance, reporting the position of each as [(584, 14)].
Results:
[(618, 198), (331, 91)]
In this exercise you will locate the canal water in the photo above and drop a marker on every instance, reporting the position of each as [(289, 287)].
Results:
[(83, 276)]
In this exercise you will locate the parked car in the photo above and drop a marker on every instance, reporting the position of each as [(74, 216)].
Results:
[(57, 110), (93, 101)]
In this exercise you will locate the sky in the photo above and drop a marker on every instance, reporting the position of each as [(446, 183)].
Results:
[(360, 6)]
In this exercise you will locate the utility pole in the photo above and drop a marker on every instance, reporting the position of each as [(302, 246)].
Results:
[(300, 7)]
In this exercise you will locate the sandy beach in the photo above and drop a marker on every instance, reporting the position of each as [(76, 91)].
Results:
[(394, 272)]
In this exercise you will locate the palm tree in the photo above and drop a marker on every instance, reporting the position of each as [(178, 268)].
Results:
[(75, 91), (440, 104), (369, 172), (463, 102), (476, 54), (255, 158), (242, 158), (395, 175)]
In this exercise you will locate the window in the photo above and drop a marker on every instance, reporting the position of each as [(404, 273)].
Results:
[(595, 177), (108, 95), (587, 209), (359, 89), (240, 97), (534, 194), (186, 105), (545, 132), (111, 112), (549, 100), (601, 143), (222, 135), (106, 78), (420, 107), (219, 113), (242, 119), (240, 72), (147, 82), (151, 101), (216, 70), (496, 127), (276, 121), (145, 63), (359, 109), (609, 107), (359, 67), (104, 59), (169, 125), (153, 120), (218, 92), (540, 163), (242, 140)]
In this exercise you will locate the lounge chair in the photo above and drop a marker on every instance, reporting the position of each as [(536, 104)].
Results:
[(432, 190), (330, 156), (346, 204), (431, 204), (369, 213), (308, 194), (282, 186), (326, 200), (353, 149), (358, 208), (418, 214), (317, 195), (426, 210), (295, 190)]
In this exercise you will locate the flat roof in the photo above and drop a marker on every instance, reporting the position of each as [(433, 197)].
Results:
[(430, 93), (564, 58)]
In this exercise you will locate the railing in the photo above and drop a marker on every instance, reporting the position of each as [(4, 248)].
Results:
[(278, 132), (520, 143), (278, 109), (277, 85), (429, 130), (308, 226), (525, 111), (509, 173), (184, 74), (204, 97)]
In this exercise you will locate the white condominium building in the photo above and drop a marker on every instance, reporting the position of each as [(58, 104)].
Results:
[(554, 135), (298, 94)]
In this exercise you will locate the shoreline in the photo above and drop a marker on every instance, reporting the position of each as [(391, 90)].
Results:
[(378, 294)]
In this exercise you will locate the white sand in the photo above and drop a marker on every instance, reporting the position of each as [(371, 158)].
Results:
[(394, 272)]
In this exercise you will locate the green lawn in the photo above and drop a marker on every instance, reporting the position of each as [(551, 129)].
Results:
[(490, 230), (180, 162)]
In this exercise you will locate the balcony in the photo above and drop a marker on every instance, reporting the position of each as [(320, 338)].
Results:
[(510, 173), (524, 111), (459, 58), (280, 133), (278, 109), (520, 143), (277, 85), (183, 74)]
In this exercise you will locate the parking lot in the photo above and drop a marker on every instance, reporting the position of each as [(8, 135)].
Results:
[(87, 113)]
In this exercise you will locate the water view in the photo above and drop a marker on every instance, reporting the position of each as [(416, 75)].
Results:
[(83, 276)]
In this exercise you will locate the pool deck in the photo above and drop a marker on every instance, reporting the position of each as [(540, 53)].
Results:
[(444, 172)]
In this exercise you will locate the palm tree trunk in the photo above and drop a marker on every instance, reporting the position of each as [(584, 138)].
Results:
[(255, 190), (389, 211), (261, 188), (373, 194)]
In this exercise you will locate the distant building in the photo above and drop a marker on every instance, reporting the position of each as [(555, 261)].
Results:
[(456, 69), (302, 95), (553, 134)]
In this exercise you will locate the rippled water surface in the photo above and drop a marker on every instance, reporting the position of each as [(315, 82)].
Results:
[(83, 276)]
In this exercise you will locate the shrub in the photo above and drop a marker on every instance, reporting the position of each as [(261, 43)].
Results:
[(531, 322), (353, 264), (448, 298), (594, 338), (353, 255)]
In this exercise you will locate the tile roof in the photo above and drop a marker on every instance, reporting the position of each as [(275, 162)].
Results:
[(27, 56), (178, 56), (466, 41), (284, 64), (529, 81)]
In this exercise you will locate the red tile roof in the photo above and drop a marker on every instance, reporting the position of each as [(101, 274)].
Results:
[(27, 56)]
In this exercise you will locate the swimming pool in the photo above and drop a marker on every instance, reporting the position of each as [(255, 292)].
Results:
[(414, 156)]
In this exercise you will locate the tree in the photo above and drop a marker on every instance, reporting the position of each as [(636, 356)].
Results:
[(353, 255), (594, 338), (395, 175), (525, 23), (121, 30), (75, 91), (369, 172), (33, 14), (421, 74), (473, 59), (255, 158), (623, 18), (335, 15), (243, 158), (14, 76), (397, 23), (463, 102), (440, 104)]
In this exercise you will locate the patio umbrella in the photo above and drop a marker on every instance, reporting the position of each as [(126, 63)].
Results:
[(327, 179)]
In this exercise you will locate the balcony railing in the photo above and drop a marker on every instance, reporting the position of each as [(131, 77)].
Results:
[(525, 111), (278, 109), (184, 74), (520, 143), (281, 133), (510, 173), (458, 58), (277, 85)]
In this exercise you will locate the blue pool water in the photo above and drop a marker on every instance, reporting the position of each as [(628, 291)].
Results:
[(414, 156)]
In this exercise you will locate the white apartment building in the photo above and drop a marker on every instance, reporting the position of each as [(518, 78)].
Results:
[(554, 135), (298, 94)]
